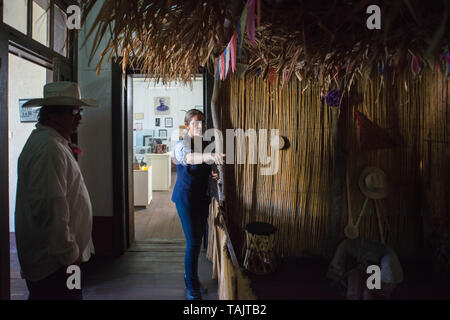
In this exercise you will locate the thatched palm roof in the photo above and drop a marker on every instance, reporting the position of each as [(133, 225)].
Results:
[(312, 39)]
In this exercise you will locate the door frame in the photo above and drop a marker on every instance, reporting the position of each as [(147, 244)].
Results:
[(121, 164), (122, 153), (68, 66), (5, 271), (122, 157)]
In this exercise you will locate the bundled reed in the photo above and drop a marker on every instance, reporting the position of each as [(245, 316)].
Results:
[(233, 284)]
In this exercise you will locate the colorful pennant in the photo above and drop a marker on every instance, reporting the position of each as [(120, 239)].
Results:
[(245, 24), (241, 29), (250, 26), (233, 51)]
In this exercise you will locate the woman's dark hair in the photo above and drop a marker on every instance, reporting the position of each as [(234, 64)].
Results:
[(45, 112), (192, 113)]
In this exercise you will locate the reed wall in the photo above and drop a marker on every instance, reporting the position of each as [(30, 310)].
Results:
[(297, 199)]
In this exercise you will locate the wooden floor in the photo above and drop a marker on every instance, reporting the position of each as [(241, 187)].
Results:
[(149, 270), (160, 219)]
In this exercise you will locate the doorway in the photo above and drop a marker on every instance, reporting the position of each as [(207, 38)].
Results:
[(21, 123), (32, 44), (158, 123)]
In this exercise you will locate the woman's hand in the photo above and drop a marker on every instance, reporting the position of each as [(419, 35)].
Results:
[(217, 158), (215, 175)]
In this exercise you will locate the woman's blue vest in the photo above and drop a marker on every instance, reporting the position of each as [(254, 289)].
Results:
[(191, 188)]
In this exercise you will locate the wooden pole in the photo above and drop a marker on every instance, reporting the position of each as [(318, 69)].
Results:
[(337, 183), (218, 144), (221, 183)]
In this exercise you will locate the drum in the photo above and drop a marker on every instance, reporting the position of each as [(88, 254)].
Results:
[(259, 255)]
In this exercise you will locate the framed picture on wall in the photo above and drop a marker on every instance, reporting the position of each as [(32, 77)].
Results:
[(162, 133), (162, 105), (139, 116), (157, 122), (168, 122), (147, 140), (29, 114)]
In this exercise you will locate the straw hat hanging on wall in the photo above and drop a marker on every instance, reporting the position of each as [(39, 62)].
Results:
[(373, 183)]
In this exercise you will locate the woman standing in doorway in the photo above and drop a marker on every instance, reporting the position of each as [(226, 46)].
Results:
[(190, 194)]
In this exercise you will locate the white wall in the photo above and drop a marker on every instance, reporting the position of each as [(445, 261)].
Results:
[(20, 87), (94, 133), (182, 98)]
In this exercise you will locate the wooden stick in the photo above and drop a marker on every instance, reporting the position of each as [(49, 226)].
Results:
[(221, 182), (349, 203), (380, 225)]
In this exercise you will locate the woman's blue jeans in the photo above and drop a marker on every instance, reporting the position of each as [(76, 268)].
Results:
[(193, 222)]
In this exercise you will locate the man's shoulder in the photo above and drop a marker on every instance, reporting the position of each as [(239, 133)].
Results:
[(44, 140), (41, 143)]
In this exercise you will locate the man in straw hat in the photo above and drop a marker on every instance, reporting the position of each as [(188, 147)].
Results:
[(53, 210)]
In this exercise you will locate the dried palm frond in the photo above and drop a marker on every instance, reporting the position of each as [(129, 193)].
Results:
[(311, 39), (166, 39), (325, 43)]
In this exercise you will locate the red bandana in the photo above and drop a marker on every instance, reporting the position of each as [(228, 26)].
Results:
[(75, 149)]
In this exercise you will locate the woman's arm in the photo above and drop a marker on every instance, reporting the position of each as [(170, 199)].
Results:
[(209, 158), (184, 155)]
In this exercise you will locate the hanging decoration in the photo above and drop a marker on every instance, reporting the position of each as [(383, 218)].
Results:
[(447, 58), (245, 24), (372, 137), (333, 98), (416, 64), (250, 27), (233, 51), (241, 30)]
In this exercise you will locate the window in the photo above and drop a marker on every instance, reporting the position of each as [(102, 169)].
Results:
[(15, 13), (41, 21), (60, 31)]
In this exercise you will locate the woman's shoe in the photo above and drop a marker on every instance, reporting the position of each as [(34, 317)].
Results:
[(203, 289), (193, 294), (194, 289)]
